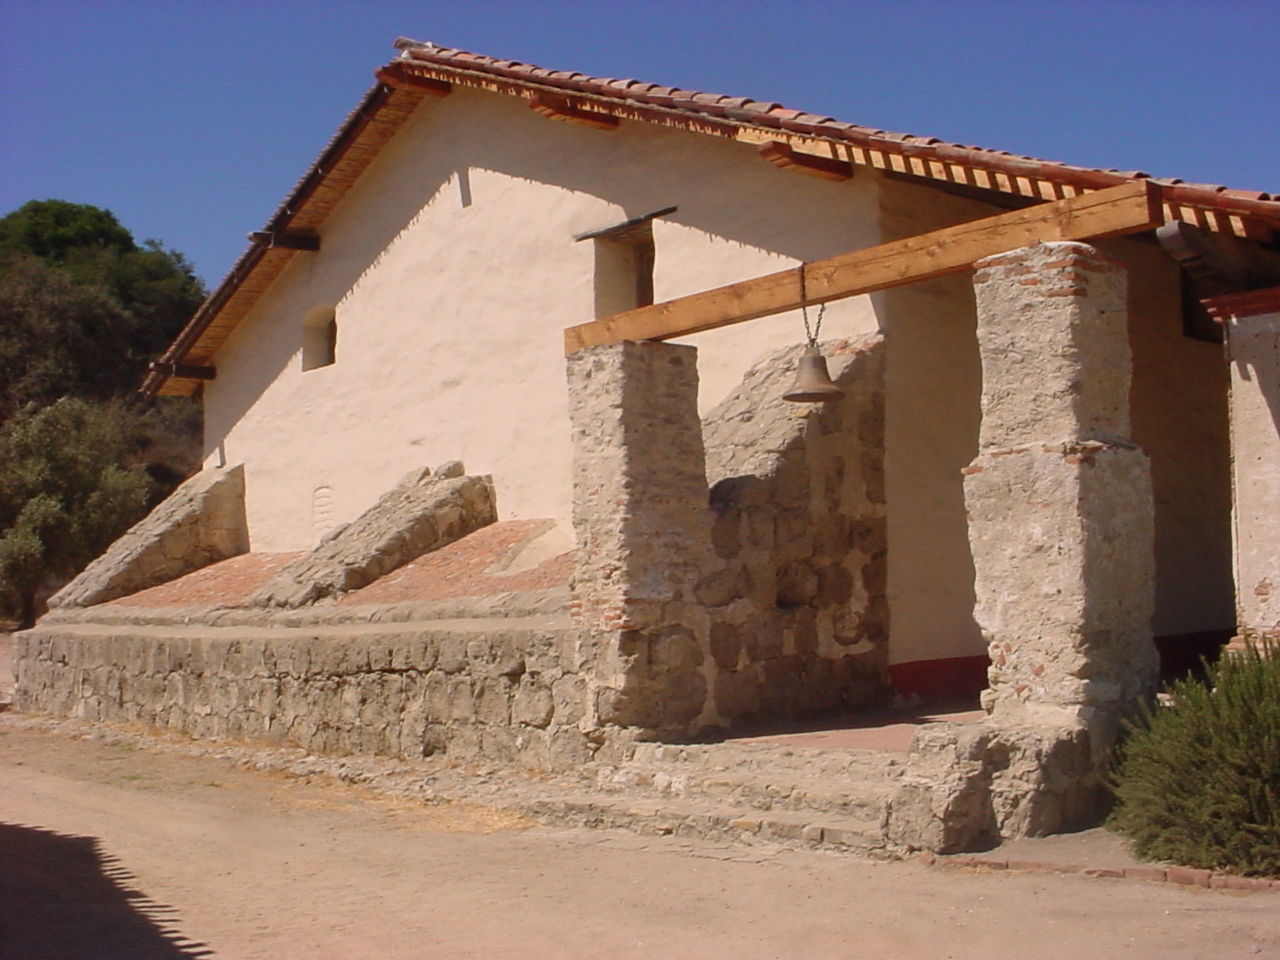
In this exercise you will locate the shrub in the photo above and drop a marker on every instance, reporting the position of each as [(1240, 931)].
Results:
[(1198, 782)]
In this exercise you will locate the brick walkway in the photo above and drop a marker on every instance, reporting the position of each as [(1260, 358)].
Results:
[(470, 567), (228, 583)]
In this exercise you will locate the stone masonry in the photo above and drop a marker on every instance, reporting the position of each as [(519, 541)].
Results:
[(799, 617), (644, 532), (695, 608), (1061, 528), (423, 512), (762, 596), (1059, 497), (467, 685), (201, 522)]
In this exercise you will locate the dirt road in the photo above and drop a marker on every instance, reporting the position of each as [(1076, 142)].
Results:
[(255, 865)]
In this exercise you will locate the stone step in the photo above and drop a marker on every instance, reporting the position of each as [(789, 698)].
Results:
[(759, 778), (710, 821)]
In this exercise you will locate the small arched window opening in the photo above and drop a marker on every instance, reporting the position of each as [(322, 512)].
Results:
[(319, 338)]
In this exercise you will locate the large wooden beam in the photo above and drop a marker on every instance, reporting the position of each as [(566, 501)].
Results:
[(1128, 208)]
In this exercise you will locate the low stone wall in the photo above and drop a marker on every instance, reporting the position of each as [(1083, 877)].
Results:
[(505, 690), (761, 597)]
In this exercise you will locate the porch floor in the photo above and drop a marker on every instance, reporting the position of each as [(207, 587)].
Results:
[(890, 730)]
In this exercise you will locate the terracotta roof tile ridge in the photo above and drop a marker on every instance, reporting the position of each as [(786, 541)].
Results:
[(770, 114)]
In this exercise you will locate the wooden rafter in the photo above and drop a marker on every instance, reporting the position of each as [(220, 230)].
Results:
[(1129, 208)]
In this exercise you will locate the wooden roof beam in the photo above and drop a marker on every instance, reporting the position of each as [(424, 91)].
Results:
[(395, 75), (560, 108), (184, 371), (785, 157), (1128, 208), (285, 240)]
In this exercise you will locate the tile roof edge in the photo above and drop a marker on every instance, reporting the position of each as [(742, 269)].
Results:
[(710, 109)]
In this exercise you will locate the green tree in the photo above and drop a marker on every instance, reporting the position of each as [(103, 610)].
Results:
[(83, 307), (55, 229), (72, 479)]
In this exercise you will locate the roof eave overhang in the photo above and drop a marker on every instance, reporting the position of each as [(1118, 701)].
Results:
[(420, 73)]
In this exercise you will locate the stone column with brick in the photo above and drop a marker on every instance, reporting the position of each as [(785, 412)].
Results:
[(1252, 320), (1061, 525), (1059, 499), (642, 520)]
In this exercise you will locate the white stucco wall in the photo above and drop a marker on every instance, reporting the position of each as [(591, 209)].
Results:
[(933, 413), (933, 408), (453, 269)]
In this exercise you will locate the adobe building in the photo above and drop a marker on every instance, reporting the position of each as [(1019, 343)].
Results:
[(1055, 457)]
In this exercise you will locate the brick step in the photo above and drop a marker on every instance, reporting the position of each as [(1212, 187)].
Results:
[(710, 821)]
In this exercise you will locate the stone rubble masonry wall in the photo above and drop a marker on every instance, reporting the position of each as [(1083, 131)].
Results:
[(1061, 528), (799, 616), (763, 597), (644, 532), (507, 691), (424, 512), (200, 523)]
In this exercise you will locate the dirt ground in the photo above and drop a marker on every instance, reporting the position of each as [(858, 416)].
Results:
[(108, 851)]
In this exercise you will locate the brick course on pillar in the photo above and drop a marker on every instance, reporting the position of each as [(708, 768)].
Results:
[(1252, 320), (1059, 498), (643, 527)]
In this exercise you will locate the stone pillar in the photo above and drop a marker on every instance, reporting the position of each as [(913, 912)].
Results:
[(1061, 525), (643, 529), (1061, 516), (1252, 320)]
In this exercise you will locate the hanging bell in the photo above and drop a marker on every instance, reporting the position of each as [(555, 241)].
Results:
[(813, 382)]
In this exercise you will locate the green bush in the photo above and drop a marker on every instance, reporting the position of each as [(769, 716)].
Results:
[(1198, 781)]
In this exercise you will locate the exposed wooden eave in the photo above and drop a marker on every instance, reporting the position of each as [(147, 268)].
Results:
[(983, 174)]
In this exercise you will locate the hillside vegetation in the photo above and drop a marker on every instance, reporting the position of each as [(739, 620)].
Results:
[(83, 309)]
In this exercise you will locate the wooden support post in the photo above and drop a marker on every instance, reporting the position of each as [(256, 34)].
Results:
[(1128, 208)]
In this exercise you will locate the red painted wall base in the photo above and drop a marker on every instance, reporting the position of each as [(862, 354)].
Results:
[(953, 678)]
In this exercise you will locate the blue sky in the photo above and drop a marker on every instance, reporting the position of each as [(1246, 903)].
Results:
[(191, 119)]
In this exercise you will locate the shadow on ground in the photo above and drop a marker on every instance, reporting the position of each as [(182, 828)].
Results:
[(62, 898)]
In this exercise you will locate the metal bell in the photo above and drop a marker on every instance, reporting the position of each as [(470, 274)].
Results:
[(813, 382)]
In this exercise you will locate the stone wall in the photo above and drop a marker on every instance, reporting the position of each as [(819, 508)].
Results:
[(198, 524), (644, 533), (506, 690), (1059, 498), (761, 597), (799, 619)]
